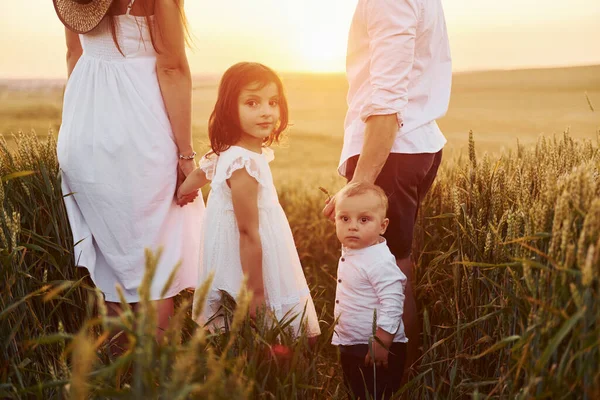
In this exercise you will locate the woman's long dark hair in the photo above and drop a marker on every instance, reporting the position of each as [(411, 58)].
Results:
[(147, 11), (224, 129)]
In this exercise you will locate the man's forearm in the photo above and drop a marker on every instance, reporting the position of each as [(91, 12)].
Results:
[(380, 133)]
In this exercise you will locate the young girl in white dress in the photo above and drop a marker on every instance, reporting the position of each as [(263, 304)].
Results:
[(245, 231)]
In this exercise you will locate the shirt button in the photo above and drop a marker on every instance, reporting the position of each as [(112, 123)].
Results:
[(337, 302), (339, 280), (343, 259)]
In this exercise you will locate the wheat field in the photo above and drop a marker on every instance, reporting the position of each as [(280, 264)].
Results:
[(499, 106), (507, 251)]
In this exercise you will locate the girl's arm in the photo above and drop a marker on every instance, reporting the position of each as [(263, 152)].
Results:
[(194, 181), (74, 50), (244, 194), (174, 76)]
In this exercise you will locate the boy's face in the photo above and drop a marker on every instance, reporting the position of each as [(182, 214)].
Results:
[(359, 220)]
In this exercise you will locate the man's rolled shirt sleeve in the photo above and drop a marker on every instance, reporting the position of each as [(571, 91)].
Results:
[(391, 26)]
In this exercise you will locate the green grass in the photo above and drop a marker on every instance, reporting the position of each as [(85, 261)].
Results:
[(508, 254)]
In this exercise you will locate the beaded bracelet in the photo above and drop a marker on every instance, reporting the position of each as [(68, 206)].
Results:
[(190, 157)]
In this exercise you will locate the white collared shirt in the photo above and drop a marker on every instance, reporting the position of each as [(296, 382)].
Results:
[(368, 279), (398, 62)]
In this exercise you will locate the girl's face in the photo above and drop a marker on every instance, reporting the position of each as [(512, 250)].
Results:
[(258, 109)]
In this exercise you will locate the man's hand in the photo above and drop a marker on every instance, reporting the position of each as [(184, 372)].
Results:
[(329, 209)]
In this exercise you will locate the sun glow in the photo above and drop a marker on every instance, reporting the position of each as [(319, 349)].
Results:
[(311, 35), (322, 34), (321, 52)]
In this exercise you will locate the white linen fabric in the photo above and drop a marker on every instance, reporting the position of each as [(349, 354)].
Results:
[(118, 160), (398, 62), (368, 280), (286, 290)]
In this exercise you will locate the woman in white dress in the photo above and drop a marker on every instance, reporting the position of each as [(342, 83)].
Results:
[(124, 141)]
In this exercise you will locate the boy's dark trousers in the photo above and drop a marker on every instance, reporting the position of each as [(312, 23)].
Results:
[(358, 376)]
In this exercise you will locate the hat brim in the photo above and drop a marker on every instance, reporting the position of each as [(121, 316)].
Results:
[(81, 18)]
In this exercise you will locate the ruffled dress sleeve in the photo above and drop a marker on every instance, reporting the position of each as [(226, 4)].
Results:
[(247, 162), (208, 164)]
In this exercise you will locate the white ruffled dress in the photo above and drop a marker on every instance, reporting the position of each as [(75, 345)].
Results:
[(285, 285)]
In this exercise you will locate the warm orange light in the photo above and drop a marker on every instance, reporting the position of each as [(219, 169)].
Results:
[(322, 33)]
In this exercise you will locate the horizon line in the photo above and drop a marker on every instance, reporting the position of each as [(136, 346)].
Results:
[(334, 73)]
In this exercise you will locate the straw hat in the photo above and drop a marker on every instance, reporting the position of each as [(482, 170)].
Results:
[(81, 16)]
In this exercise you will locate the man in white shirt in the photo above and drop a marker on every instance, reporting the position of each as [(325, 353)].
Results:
[(399, 73)]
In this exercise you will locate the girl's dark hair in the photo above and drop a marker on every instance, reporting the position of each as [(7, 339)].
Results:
[(224, 129)]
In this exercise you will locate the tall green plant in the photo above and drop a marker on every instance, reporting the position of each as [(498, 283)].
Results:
[(41, 292), (509, 274), (508, 263)]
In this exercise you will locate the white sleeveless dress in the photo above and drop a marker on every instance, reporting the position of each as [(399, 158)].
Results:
[(118, 160), (285, 285)]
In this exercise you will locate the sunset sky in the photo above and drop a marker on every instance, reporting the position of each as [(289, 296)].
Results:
[(310, 35)]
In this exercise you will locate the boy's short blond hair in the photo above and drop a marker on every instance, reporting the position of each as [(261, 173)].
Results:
[(358, 188)]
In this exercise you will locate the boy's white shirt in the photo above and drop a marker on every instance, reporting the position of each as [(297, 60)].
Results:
[(368, 279)]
